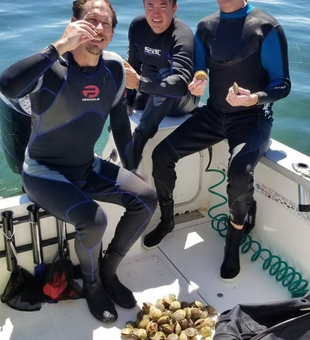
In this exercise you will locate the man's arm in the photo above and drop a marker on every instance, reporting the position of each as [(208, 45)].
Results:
[(181, 70), (174, 85), (120, 126), (132, 53), (274, 58), (22, 77), (135, 63), (198, 87), (200, 55)]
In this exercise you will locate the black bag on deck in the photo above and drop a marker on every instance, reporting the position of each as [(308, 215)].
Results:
[(59, 282), (281, 320)]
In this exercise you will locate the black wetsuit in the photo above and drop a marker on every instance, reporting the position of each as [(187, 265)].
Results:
[(165, 63), (70, 105), (248, 47)]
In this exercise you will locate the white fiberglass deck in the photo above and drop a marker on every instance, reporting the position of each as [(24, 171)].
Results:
[(186, 264)]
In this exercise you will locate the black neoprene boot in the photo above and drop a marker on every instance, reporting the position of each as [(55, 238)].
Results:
[(117, 291), (165, 226), (138, 144), (98, 300), (230, 268)]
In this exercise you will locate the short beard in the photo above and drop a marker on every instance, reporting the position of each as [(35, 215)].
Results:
[(93, 50)]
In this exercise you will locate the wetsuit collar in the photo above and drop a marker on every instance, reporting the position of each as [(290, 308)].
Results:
[(84, 69), (241, 13)]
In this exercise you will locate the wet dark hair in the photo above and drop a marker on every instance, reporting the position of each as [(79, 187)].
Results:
[(79, 5), (174, 2)]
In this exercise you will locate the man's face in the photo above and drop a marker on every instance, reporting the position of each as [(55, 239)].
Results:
[(159, 14), (228, 6), (98, 14)]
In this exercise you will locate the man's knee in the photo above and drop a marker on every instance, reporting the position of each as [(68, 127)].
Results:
[(143, 199), (89, 218), (240, 180), (147, 130), (151, 200)]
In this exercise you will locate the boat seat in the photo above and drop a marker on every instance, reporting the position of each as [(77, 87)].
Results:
[(281, 159)]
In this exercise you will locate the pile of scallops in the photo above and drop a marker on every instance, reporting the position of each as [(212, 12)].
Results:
[(170, 319)]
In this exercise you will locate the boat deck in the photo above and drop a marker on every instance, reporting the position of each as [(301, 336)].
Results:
[(186, 264)]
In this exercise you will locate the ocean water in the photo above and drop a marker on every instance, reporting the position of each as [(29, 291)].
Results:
[(28, 26)]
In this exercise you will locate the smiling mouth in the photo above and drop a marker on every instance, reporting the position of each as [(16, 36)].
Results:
[(98, 39)]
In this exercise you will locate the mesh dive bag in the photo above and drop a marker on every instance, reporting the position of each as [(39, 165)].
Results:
[(20, 278), (281, 320), (16, 284)]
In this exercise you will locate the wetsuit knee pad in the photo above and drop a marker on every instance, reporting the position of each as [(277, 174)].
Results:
[(150, 199), (90, 222), (144, 203)]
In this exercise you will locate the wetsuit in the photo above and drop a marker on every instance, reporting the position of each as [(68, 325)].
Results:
[(165, 63), (248, 47), (70, 105)]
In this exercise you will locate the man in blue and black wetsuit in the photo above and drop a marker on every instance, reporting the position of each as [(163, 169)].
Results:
[(161, 55), (73, 86), (239, 44)]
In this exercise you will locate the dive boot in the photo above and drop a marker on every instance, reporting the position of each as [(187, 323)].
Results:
[(99, 302), (165, 226), (230, 268), (117, 291)]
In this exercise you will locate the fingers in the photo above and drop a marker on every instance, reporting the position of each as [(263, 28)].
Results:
[(127, 65), (197, 87), (132, 78), (232, 97), (244, 91), (76, 33), (83, 29), (130, 72), (243, 98)]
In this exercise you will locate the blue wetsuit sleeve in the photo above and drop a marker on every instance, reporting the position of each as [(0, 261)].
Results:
[(200, 55), (120, 126), (21, 78), (181, 71), (274, 59)]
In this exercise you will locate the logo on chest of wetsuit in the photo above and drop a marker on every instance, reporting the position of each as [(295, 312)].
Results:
[(91, 93), (152, 51)]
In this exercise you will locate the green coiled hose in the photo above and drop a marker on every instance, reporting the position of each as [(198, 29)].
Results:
[(287, 275)]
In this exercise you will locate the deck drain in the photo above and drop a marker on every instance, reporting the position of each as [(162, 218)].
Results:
[(194, 215)]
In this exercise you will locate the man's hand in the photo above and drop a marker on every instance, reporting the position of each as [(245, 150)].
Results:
[(132, 78), (243, 98), (76, 33), (197, 87)]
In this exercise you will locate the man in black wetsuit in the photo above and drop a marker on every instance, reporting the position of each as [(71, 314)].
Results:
[(74, 84), (161, 55), (238, 44)]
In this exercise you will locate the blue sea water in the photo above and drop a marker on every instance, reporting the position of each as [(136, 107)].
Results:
[(28, 26)]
